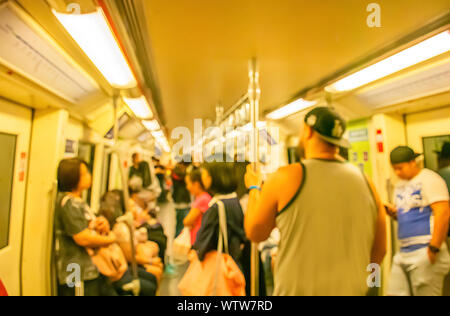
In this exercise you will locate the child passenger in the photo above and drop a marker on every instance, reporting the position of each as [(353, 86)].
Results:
[(201, 203)]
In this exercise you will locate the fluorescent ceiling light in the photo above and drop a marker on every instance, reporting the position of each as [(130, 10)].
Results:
[(152, 125), (291, 108), (233, 134), (93, 34), (26, 48), (159, 135), (164, 145), (140, 107), (431, 80), (423, 51), (167, 148), (249, 127), (144, 136)]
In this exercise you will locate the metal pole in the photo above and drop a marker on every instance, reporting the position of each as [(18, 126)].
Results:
[(116, 117), (254, 93), (135, 286), (79, 289)]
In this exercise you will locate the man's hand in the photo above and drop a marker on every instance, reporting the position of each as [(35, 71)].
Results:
[(253, 178), (391, 210), (432, 256)]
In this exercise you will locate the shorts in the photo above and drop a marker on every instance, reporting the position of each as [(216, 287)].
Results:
[(413, 274)]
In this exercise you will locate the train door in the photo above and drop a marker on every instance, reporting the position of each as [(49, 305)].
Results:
[(431, 146), (426, 131), (15, 129)]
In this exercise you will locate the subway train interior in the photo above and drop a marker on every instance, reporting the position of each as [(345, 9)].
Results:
[(116, 83)]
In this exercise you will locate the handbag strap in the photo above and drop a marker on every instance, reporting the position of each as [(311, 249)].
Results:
[(223, 238), (223, 229)]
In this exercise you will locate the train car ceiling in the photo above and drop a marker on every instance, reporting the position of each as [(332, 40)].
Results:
[(201, 48), (189, 56)]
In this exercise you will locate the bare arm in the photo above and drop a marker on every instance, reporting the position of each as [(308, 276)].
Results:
[(91, 239), (192, 217), (441, 212), (379, 247), (262, 210)]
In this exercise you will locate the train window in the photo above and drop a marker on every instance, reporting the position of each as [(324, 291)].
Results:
[(431, 145), (86, 151), (7, 157)]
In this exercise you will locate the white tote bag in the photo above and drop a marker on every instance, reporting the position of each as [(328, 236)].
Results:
[(181, 246)]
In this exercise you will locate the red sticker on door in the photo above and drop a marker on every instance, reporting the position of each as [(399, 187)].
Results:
[(22, 166)]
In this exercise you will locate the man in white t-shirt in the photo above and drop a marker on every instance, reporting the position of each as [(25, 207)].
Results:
[(422, 211)]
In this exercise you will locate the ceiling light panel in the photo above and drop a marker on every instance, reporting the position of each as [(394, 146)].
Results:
[(290, 109), (430, 81), (93, 34), (27, 49), (140, 107), (418, 53)]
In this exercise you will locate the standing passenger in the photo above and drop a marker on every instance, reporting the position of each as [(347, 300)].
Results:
[(160, 172), (201, 204), (331, 220), (444, 172), (181, 196), (140, 169), (422, 211), (219, 178), (73, 223)]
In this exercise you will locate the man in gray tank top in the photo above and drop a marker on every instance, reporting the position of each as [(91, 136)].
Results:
[(331, 219)]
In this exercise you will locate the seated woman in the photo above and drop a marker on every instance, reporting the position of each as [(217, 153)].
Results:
[(77, 229), (145, 217), (201, 203), (146, 251), (111, 209), (219, 178)]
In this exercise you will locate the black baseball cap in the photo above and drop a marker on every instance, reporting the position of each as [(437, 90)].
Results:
[(329, 125), (445, 151), (403, 154)]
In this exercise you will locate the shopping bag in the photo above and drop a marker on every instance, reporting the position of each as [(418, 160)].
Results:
[(182, 246), (203, 279), (217, 274), (3, 291), (110, 261)]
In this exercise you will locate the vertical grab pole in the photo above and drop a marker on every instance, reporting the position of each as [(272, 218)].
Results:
[(254, 93), (116, 117), (126, 196)]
